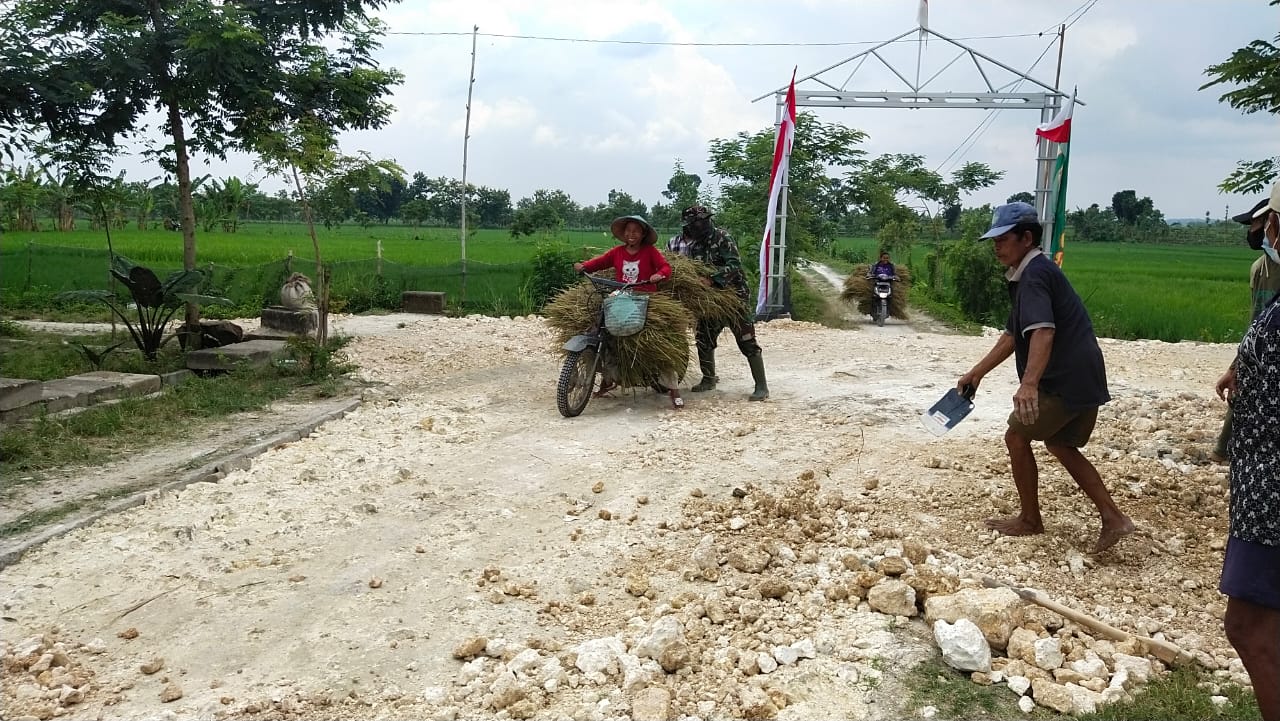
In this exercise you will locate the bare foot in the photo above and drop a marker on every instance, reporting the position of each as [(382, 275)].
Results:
[(1111, 534), (1015, 526)]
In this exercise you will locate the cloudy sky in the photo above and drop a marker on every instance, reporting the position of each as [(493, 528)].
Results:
[(586, 117)]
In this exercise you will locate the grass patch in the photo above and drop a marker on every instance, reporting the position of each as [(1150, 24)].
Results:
[(934, 683), (945, 312), (1179, 694), (44, 356), (1163, 291), (102, 433), (1182, 694)]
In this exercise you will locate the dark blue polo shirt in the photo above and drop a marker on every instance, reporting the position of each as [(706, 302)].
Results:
[(1042, 297)]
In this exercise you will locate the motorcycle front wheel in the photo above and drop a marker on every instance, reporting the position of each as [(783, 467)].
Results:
[(881, 311), (577, 381)]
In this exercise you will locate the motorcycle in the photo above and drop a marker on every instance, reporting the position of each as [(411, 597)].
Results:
[(882, 290), (621, 313)]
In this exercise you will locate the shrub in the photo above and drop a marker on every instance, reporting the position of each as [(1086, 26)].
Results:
[(978, 281), (550, 272)]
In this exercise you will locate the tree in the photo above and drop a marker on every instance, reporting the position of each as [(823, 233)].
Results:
[(416, 211), (223, 202), (682, 188), (142, 200), (221, 75), (545, 211), (817, 201), (1022, 197), (1129, 209), (20, 198), (492, 206), (618, 205), (951, 216), (1094, 224), (382, 199), (1255, 67)]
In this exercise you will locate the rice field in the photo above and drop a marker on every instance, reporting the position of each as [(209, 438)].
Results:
[(1162, 292), (1165, 292)]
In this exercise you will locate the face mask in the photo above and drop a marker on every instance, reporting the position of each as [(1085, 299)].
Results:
[(1255, 238), (1268, 245)]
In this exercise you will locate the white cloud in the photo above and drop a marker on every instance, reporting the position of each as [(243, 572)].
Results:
[(587, 117)]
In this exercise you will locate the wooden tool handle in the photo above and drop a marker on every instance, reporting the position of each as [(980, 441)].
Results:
[(1163, 650)]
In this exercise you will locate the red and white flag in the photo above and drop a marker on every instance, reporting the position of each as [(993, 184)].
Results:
[(777, 176), (1058, 130)]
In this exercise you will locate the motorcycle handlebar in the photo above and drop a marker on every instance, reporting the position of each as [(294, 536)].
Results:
[(609, 283)]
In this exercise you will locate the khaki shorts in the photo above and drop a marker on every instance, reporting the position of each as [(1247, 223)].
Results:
[(1056, 425)]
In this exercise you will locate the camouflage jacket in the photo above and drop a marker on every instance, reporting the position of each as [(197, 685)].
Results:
[(720, 252)]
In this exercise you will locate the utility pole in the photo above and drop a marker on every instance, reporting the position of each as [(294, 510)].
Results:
[(466, 136), (1062, 39)]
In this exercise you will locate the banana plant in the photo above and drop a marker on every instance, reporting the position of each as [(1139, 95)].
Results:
[(154, 301)]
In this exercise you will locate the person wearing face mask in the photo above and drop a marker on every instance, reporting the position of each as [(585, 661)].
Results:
[(1264, 283), (1251, 563), (702, 240)]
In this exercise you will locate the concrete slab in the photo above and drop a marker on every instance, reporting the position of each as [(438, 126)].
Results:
[(175, 378), (63, 393), (257, 353), (422, 301), (286, 320), (121, 385), (269, 334), (18, 392), (90, 388)]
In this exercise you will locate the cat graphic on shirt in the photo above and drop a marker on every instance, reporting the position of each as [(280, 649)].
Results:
[(630, 271)]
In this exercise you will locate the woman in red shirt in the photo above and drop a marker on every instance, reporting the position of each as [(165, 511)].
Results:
[(637, 260)]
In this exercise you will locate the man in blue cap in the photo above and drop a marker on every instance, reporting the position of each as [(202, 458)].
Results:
[(1062, 377)]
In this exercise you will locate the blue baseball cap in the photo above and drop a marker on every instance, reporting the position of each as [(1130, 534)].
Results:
[(1009, 215)]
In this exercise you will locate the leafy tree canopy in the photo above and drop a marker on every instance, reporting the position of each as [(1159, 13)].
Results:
[(1255, 70)]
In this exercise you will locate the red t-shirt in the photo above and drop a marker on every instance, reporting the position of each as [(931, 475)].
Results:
[(630, 268)]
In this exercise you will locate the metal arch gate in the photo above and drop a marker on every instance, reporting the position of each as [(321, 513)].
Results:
[(1047, 100)]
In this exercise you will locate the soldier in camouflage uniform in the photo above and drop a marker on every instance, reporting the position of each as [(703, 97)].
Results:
[(702, 240)]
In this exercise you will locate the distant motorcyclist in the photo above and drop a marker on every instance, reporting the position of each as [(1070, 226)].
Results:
[(884, 267)]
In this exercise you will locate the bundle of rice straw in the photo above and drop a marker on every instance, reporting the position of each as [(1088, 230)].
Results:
[(860, 291), (721, 306), (663, 344)]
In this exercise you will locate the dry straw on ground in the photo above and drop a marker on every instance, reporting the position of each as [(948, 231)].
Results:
[(858, 289)]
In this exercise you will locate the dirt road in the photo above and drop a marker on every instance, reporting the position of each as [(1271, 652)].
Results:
[(338, 576)]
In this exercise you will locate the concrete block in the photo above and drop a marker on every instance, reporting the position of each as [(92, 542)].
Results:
[(286, 320), (175, 378), (72, 392), (256, 353), (87, 389), (18, 392), (269, 334), (121, 385), (422, 301)]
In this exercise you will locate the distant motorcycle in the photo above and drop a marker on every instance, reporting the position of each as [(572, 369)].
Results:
[(882, 290)]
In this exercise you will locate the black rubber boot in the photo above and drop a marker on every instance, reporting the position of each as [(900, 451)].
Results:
[(757, 374), (708, 368)]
